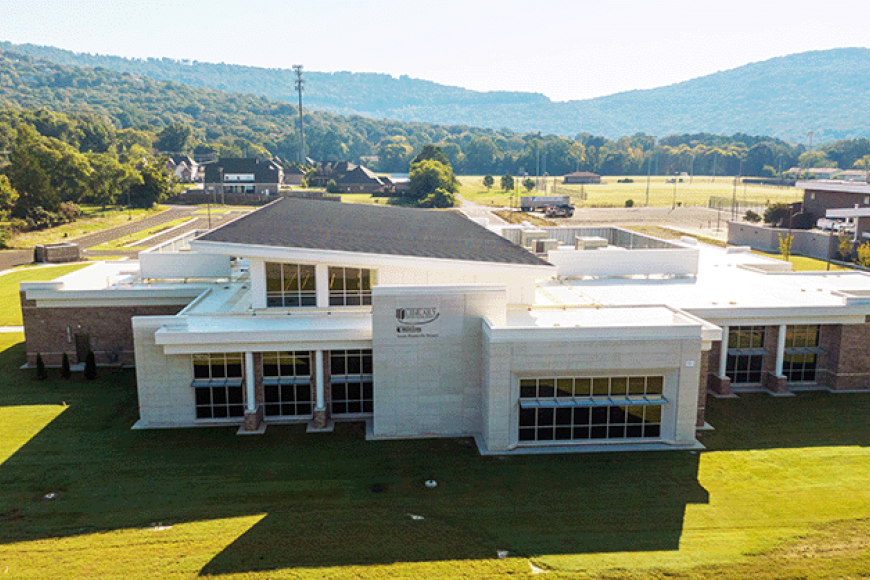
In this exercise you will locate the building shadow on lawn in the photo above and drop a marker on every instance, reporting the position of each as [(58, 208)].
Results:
[(809, 419), (527, 505)]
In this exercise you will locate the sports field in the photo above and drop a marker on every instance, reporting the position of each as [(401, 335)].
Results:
[(611, 193)]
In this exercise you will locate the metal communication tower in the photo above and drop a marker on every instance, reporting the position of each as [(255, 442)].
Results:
[(300, 83)]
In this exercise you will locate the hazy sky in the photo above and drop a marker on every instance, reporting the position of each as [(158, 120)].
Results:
[(566, 50)]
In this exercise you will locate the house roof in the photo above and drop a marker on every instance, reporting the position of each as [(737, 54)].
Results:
[(311, 224), (264, 171), (582, 174), (360, 175)]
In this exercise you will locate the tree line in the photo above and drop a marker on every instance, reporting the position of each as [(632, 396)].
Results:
[(55, 162), (208, 121)]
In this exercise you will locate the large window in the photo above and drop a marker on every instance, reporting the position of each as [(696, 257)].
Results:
[(287, 384), (586, 408), (351, 381), (217, 384), (801, 353), (290, 285), (349, 286), (745, 354)]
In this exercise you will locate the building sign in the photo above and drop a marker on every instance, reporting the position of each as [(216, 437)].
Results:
[(417, 322)]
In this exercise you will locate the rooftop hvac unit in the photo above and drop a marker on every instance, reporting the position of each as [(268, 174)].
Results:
[(589, 242), (528, 237), (544, 246)]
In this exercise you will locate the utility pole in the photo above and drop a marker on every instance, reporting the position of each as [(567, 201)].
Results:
[(649, 169), (300, 83)]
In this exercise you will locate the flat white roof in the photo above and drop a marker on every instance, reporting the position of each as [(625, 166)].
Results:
[(724, 281), (833, 185), (597, 317)]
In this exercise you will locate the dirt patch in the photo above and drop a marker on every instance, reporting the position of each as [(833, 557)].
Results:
[(839, 539), (518, 217)]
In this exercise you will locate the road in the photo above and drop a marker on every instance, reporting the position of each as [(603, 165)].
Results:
[(12, 258)]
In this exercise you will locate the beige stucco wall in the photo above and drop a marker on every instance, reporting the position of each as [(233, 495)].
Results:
[(507, 361), (166, 398), (430, 385)]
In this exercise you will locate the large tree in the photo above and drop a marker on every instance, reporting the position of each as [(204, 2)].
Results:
[(432, 182), (153, 187), (29, 179)]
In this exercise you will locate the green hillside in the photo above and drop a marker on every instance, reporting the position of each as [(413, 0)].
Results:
[(821, 91)]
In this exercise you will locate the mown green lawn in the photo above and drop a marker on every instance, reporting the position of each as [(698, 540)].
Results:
[(781, 492), (10, 303)]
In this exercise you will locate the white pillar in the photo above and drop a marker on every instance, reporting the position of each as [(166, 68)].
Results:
[(780, 350), (318, 380), (723, 352), (321, 278), (249, 383)]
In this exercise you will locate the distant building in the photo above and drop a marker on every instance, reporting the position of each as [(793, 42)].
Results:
[(361, 180), (814, 172), (243, 175), (184, 168), (582, 177), (823, 195), (293, 176)]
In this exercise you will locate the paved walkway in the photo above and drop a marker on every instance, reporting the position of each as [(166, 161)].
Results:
[(11, 329), (12, 258), (476, 211)]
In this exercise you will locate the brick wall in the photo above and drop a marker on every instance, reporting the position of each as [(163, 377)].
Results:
[(51, 331), (704, 373), (846, 366), (768, 362)]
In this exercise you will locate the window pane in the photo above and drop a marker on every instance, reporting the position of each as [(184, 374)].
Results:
[(618, 387), (528, 388), (583, 387), (354, 365), (273, 277), (655, 385), (600, 387), (307, 278), (636, 386), (291, 278), (546, 388), (564, 387), (336, 363)]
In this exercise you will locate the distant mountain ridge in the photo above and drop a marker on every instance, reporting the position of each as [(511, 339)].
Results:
[(826, 92)]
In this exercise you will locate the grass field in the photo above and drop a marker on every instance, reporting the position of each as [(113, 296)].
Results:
[(93, 220), (781, 492), (121, 243), (613, 194), (10, 304)]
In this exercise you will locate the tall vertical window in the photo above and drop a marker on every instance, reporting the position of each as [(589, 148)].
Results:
[(349, 286), (351, 381), (217, 384), (290, 285), (745, 354), (801, 353), (287, 384), (584, 408)]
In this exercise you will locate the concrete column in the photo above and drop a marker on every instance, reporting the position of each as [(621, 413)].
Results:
[(780, 350), (253, 412), (318, 380), (321, 276), (723, 352), (250, 396)]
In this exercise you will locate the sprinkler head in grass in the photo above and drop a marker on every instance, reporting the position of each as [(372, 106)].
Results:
[(431, 483)]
